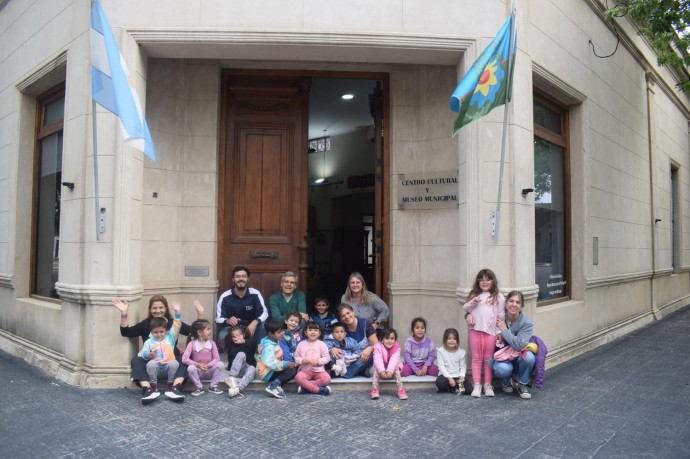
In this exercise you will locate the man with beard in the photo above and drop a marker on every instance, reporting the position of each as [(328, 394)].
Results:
[(242, 306)]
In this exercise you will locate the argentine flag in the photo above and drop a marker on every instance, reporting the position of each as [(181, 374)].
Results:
[(110, 86)]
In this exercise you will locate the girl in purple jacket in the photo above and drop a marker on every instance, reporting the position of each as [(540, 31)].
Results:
[(419, 353)]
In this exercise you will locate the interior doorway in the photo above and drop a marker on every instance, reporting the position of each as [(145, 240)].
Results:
[(301, 184), (342, 185)]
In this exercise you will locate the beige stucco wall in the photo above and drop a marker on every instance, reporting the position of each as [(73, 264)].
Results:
[(618, 107)]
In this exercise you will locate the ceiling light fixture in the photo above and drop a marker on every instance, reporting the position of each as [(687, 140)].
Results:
[(347, 96), (322, 179)]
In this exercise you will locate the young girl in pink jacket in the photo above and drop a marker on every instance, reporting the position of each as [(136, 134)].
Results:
[(387, 364), (484, 307), (311, 355)]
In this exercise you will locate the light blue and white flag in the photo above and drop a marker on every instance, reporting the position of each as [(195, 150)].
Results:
[(110, 86)]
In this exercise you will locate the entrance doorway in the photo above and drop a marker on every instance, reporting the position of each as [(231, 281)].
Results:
[(301, 180), (342, 185)]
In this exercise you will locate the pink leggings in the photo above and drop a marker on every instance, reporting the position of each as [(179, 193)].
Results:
[(482, 346), (320, 378)]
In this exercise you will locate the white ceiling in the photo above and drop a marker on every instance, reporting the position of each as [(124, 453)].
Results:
[(330, 113)]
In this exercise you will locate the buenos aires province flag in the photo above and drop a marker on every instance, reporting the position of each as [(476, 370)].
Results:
[(486, 84), (110, 87)]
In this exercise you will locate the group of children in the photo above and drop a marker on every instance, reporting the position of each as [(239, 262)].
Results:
[(290, 351)]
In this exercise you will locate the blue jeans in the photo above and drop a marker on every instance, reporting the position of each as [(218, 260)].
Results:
[(523, 368), (358, 367)]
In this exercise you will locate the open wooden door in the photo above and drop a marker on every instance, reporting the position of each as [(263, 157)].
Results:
[(263, 184), (376, 108)]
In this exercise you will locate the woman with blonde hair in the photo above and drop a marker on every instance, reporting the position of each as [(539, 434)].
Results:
[(366, 305)]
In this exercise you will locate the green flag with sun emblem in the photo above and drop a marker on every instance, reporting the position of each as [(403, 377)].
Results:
[(486, 84)]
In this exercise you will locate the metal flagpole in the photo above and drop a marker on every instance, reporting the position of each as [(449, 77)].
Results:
[(95, 167), (496, 217)]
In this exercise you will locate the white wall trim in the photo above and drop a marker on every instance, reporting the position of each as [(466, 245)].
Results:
[(46, 76), (6, 281), (419, 288), (291, 37), (619, 279), (98, 295)]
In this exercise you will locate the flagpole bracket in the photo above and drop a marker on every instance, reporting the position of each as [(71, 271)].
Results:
[(493, 223)]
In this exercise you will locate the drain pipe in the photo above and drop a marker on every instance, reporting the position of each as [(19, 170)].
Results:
[(650, 146)]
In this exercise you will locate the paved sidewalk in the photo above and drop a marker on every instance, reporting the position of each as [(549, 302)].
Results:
[(630, 398)]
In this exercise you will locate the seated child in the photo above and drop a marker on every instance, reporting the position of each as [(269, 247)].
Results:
[(323, 316), (419, 353), (202, 358), (351, 351), (241, 360), (272, 366), (387, 363), (312, 355), (159, 352), (293, 332), (451, 365)]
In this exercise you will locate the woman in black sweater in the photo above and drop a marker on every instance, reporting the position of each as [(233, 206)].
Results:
[(158, 307)]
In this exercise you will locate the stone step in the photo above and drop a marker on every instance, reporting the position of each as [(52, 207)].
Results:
[(356, 383)]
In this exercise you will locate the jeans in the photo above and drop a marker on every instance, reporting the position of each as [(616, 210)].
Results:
[(358, 367), (522, 367)]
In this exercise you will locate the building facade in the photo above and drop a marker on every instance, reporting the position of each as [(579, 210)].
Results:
[(242, 101)]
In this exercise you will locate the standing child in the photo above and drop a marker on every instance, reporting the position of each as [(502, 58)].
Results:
[(323, 316), (202, 358), (272, 367), (293, 332), (311, 355), (241, 360), (159, 353), (350, 349), (387, 363), (419, 353), (451, 365), (486, 304)]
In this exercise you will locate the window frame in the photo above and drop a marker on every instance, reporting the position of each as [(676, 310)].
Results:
[(562, 140), (42, 132), (674, 211)]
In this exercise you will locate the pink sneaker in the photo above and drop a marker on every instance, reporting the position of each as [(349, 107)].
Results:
[(402, 395), (374, 393)]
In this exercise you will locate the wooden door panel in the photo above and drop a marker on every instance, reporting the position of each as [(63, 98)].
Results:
[(263, 187), (263, 170)]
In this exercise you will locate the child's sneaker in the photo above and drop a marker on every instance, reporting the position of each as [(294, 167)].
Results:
[(402, 395), (455, 390), (374, 393), (276, 391), (174, 394), (197, 392), (231, 382), (523, 390), (489, 390), (215, 390), (233, 391), (477, 391), (300, 390), (148, 395), (325, 390)]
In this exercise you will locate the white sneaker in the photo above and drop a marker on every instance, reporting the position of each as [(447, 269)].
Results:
[(477, 391), (489, 390), (338, 370), (231, 382), (233, 391)]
